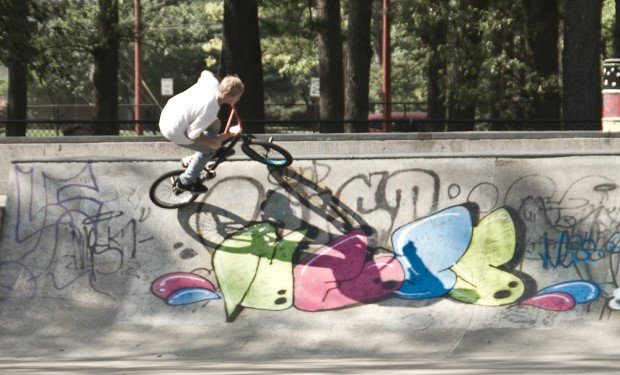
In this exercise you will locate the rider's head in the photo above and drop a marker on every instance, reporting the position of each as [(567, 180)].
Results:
[(231, 89)]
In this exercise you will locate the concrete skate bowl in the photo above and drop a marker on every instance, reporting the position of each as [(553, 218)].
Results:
[(411, 258)]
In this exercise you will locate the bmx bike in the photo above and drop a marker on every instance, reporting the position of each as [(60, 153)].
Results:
[(164, 191)]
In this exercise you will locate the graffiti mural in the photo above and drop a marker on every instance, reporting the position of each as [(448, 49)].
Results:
[(470, 253), (439, 255), (319, 237), (69, 236)]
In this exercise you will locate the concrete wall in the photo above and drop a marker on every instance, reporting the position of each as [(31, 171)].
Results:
[(394, 254)]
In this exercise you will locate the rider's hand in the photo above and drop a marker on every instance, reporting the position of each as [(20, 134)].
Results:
[(234, 130)]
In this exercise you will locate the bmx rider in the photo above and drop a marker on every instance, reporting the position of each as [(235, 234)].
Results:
[(189, 119)]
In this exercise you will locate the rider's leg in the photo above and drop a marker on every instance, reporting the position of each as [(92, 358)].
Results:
[(194, 168), (200, 159)]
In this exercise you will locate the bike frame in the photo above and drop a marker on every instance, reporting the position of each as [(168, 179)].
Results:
[(233, 114), (231, 142)]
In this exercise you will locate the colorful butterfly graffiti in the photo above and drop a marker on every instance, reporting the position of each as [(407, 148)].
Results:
[(441, 255)]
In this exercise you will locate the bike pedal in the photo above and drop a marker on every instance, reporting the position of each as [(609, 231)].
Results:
[(206, 174)]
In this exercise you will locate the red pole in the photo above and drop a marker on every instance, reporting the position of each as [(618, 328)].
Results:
[(386, 85), (137, 66)]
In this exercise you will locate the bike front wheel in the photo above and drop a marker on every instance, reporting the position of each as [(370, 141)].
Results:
[(165, 195), (267, 153)]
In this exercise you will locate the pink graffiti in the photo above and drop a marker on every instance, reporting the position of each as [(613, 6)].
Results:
[(338, 275), (558, 301), (164, 286)]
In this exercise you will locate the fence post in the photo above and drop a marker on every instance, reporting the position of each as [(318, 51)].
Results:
[(611, 95)]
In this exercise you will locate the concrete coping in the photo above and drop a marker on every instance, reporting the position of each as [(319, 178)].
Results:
[(403, 155), (296, 137)]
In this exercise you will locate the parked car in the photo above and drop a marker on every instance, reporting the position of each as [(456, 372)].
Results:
[(400, 125)]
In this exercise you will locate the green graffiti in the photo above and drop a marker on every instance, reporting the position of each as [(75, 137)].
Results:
[(254, 268)]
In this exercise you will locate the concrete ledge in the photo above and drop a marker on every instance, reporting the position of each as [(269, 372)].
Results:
[(496, 135), (436, 155), (322, 146)]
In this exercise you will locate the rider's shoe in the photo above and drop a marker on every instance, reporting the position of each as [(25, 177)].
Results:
[(196, 187)]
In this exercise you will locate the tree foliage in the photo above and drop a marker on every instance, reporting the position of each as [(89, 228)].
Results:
[(472, 58)]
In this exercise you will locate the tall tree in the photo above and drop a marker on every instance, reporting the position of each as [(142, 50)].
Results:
[(16, 51), (468, 35), (331, 102), (105, 75), (357, 62), (581, 64), (436, 107), (429, 21), (241, 55), (542, 21)]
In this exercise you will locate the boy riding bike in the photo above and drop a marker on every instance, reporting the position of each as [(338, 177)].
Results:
[(189, 119)]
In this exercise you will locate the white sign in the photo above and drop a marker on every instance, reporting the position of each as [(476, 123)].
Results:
[(315, 87), (167, 86)]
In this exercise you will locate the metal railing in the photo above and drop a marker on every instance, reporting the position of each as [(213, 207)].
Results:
[(51, 128)]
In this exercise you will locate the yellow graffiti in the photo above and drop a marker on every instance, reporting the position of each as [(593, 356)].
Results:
[(479, 280)]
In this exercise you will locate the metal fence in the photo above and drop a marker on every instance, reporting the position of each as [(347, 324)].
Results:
[(51, 128), (75, 119)]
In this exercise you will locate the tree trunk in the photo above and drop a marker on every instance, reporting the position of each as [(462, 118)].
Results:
[(242, 55), (18, 55), (357, 70), (436, 107), (542, 19), (18, 98), (105, 76), (462, 107), (581, 64), (331, 102), (377, 30)]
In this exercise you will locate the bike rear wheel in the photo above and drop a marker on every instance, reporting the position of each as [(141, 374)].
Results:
[(267, 153), (165, 195)]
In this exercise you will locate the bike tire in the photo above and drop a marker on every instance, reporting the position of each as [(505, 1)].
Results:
[(162, 195), (267, 153)]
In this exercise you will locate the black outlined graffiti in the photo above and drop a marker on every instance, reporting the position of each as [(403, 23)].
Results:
[(318, 204), (393, 198)]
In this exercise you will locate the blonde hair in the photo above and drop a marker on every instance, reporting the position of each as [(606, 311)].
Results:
[(231, 86)]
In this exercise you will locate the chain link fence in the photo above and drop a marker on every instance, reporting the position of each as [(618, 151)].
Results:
[(70, 120), (76, 119)]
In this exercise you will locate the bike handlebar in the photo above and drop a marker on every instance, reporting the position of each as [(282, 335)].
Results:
[(233, 114)]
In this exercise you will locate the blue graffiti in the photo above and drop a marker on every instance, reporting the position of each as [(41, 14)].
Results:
[(428, 247), (570, 250)]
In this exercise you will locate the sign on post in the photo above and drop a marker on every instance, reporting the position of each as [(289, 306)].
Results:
[(167, 86), (315, 87)]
